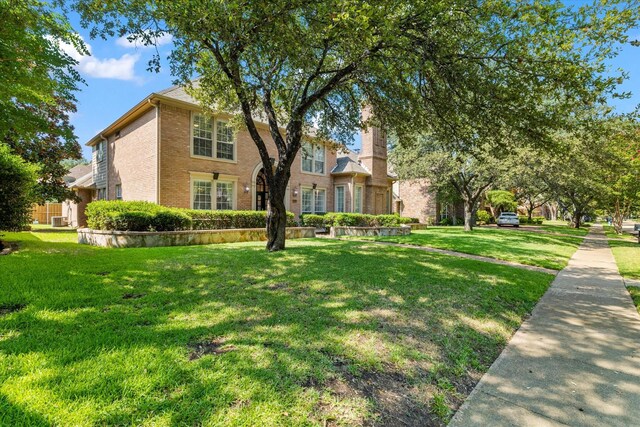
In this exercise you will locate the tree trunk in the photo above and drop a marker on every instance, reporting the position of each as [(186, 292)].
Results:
[(576, 218), (530, 207), (276, 219), (468, 215), (618, 218), (553, 211)]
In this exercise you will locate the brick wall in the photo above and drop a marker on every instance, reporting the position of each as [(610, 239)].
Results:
[(133, 160), (417, 200), (177, 165)]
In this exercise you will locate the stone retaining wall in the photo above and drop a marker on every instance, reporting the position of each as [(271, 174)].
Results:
[(141, 239), (370, 231)]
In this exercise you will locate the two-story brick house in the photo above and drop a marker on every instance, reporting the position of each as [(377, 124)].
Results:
[(164, 150)]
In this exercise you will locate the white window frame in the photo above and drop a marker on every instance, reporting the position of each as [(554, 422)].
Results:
[(193, 193), (201, 176), (118, 191), (314, 148), (214, 140), (317, 192), (357, 205), (100, 151), (101, 193), (340, 207), (314, 196), (302, 191), (233, 194)]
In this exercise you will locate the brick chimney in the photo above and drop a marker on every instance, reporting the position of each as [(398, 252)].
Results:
[(373, 156)]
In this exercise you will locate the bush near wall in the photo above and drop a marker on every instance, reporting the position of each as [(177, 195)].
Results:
[(146, 216), (341, 219), (534, 220), (484, 217)]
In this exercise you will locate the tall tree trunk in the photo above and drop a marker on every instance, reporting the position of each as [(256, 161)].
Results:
[(468, 215), (276, 219), (618, 217), (576, 218)]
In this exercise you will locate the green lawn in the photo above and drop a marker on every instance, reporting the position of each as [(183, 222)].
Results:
[(635, 295), (326, 333), (560, 227), (531, 248), (611, 233), (627, 255)]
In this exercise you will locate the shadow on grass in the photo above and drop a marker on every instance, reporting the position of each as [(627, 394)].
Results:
[(433, 323)]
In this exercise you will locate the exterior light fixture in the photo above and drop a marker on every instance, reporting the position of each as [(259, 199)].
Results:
[(314, 185), (246, 188), (295, 192), (216, 175)]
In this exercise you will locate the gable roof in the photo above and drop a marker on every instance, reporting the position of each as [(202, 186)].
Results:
[(76, 172)]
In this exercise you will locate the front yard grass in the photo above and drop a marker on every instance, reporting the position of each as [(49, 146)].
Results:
[(635, 295), (610, 232), (627, 255), (538, 249), (324, 333)]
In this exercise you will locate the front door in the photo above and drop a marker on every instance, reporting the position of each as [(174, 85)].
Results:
[(262, 191)]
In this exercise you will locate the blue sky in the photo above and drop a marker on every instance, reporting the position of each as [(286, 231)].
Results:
[(116, 80)]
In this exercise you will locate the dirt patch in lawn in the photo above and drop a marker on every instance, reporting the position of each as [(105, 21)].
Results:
[(10, 308), (396, 400), (215, 347), (6, 248), (132, 296)]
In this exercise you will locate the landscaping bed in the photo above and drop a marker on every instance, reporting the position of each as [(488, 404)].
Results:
[(325, 333), (149, 239)]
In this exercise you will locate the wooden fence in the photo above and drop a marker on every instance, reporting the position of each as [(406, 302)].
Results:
[(43, 213)]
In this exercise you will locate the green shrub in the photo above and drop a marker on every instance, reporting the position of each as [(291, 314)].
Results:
[(345, 219), (313, 220), (171, 220), (446, 221), (17, 182), (484, 217), (538, 219), (145, 216), (129, 221)]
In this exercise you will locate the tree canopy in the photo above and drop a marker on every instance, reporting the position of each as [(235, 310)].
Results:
[(37, 92), (467, 71)]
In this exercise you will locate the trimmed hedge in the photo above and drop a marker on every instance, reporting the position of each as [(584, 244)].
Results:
[(341, 219), (534, 220), (146, 216)]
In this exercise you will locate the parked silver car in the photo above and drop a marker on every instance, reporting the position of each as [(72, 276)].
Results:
[(508, 218)]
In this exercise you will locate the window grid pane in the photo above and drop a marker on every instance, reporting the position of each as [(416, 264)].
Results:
[(202, 195), (340, 199), (320, 200), (358, 207), (318, 158), (224, 144), (307, 204), (224, 195), (307, 157), (202, 136)]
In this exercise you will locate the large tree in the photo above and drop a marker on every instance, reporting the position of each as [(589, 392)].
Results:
[(417, 64), (622, 176), (470, 175), (17, 182), (37, 90)]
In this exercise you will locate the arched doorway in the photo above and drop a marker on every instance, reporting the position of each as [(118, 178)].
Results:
[(262, 191)]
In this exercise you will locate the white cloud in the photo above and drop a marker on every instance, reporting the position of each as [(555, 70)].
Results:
[(107, 68), (160, 41)]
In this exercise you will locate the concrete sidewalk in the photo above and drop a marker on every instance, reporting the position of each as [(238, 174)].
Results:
[(575, 361)]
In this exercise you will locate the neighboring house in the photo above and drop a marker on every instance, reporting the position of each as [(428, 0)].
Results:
[(414, 198), (80, 180), (164, 150)]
